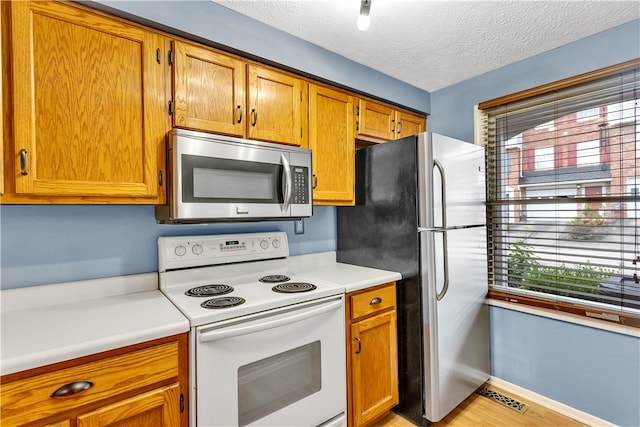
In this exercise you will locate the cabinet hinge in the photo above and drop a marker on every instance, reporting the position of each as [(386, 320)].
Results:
[(159, 56), (170, 57), (181, 402), (171, 108), (357, 111), (357, 125)]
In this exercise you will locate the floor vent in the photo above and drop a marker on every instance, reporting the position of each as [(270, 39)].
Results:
[(503, 400)]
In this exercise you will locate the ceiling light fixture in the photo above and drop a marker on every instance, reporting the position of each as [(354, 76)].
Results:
[(363, 19)]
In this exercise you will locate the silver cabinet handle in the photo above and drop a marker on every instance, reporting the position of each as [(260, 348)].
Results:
[(399, 128), (23, 162), (359, 345), (72, 388), (239, 114), (375, 301), (393, 126), (254, 116)]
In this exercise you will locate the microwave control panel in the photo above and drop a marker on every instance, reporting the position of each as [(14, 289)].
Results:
[(300, 191)]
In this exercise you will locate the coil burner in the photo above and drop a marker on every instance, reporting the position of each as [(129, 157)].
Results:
[(293, 287), (274, 278), (209, 290), (222, 302)]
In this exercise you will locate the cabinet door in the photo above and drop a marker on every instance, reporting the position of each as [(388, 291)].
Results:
[(275, 106), (209, 90), (409, 124), (374, 367), (160, 407), (375, 121), (88, 103), (65, 423), (332, 142)]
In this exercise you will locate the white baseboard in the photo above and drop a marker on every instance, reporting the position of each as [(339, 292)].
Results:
[(551, 404)]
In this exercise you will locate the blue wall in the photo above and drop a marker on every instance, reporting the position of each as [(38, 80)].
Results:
[(592, 370), (589, 369), (63, 243)]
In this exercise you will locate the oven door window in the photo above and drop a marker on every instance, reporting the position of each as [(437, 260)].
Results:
[(273, 383), (215, 180)]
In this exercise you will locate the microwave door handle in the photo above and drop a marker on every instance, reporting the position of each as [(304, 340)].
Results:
[(286, 191)]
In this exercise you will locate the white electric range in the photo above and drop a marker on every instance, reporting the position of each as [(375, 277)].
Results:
[(266, 345)]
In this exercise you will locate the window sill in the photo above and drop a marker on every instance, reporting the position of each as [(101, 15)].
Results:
[(620, 322)]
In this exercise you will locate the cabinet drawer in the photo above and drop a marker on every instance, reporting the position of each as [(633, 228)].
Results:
[(29, 399), (373, 301)]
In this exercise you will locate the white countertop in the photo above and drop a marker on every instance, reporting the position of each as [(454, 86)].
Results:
[(41, 325), (81, 318), (324, 267)]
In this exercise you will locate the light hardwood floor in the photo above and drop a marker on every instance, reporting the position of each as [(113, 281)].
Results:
[(478, 410)]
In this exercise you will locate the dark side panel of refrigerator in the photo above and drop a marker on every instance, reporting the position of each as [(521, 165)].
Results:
[(380, 232)]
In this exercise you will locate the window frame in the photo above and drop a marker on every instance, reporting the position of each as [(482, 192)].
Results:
[(584, 160), (583, 116), (544, 157), (556, 302)]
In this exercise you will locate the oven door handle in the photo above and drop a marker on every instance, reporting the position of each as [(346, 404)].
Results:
[(266, 324), (286, 184)]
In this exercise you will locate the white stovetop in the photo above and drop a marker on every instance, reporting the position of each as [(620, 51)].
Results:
[(243, 278)]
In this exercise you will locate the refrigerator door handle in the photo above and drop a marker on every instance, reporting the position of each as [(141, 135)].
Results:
[(443, 192), (445, 266)]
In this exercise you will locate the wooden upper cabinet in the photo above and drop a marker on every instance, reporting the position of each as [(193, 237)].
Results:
[(276, 106), (332, 142), (375, 120), (378, 122), (89, 114), (409, 124), (209, 90)]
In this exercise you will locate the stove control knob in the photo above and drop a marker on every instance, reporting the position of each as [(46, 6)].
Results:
[(276, 243), (196, 249), (264, 244), (180, 250)]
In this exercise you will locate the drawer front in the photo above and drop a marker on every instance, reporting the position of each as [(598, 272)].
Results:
[(373, 301), (29, 399)]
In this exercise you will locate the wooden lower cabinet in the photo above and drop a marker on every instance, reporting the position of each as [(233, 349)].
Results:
[(160, 407), (372, 354), (141, 385)]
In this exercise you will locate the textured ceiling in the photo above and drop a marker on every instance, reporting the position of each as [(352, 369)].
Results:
[(434, 44)]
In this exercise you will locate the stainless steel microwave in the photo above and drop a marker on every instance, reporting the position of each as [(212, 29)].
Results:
[(215, 178)]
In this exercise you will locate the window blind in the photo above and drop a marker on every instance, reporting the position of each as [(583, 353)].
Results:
[(563, 180)]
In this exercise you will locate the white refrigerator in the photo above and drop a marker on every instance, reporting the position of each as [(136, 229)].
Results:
[(420, 210)]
